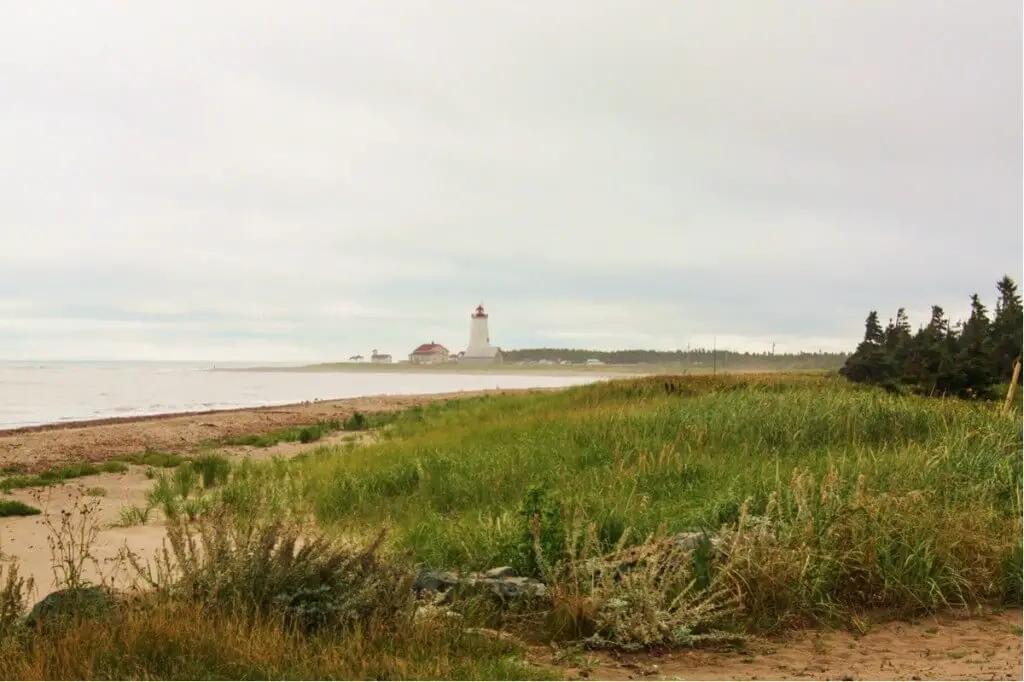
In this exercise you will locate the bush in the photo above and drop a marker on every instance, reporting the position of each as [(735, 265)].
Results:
[(356, 422), (272, 567)]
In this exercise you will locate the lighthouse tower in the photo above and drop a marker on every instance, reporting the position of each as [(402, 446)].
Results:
[(480, 349), (479, 336)]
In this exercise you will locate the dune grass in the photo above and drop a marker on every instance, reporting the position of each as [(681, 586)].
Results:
[(152, 458), (874, 500), (59, 475), (311, 433), (821, 503)]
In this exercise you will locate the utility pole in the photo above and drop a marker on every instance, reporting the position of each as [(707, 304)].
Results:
[(714, 355)]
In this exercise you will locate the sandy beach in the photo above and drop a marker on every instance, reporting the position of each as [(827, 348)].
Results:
[(38, 447)]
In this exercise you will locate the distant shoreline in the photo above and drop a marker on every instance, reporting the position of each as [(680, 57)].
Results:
[(455, 368)]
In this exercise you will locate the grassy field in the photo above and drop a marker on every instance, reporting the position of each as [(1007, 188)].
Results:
[(821, 503)]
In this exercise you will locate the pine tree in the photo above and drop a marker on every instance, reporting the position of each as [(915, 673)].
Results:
[(930, 355), (1007, 330), (974, 352), (870, 363), (898, 339)]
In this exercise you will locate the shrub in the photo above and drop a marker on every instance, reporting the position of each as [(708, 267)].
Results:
[(356, 422), (266, 567)]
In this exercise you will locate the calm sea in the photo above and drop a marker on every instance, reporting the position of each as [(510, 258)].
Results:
[(44, 392)]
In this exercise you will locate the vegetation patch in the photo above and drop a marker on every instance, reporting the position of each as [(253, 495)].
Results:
[(59, 475), (134, 515), (670, 511), (153, 458), (16, 508), (357, 421), (834, 499)]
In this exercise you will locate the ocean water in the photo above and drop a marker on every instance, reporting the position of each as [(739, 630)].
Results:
[(46, 393)]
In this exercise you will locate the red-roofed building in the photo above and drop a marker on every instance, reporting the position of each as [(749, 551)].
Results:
[(429, 353)]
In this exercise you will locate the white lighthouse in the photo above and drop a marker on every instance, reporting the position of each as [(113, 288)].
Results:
[(480, 350)]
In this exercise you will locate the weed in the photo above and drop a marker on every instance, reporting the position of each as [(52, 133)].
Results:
[(71, 543), (96, 491), (268, 566), (134, 515), (14, 594)]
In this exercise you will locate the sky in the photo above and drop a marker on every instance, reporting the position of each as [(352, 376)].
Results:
[(302, 181)]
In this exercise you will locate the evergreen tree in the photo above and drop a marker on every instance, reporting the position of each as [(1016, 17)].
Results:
[(929, 355), (974, 352), (898, 340), (1007, 330), (965, 359), (870, 363)]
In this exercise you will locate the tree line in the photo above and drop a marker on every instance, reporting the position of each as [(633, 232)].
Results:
[(966, 359)]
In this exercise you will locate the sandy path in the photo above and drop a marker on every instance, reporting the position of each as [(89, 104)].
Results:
[(39, 447), (26, 538), (936, 648)]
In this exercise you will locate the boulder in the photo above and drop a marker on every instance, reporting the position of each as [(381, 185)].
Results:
[(502, 582), (434, 581), (90, 601)]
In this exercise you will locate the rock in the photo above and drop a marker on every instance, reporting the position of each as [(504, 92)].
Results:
[(434, 612), (434, 581), (502, 582), (500, 573), (691, 540), (508, 589), (84, 602)]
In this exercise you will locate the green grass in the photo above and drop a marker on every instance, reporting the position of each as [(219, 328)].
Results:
[(903, 503), (134, 515), (152, 458), (823, 502), (59, 475), (16, 508), (314, 432)]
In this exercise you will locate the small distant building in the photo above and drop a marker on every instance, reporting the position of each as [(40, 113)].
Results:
[(380, 358), (593, 361), (355, 358), (429, 354), (480, 351)]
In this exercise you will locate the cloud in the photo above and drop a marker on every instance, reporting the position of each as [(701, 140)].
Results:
[(223, 180)]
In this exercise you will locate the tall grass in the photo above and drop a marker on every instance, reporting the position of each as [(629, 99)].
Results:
[(818, 501), (918, 500), (244, 599)]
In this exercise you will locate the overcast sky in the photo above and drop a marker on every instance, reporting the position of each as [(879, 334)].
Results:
[(258, 180)]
